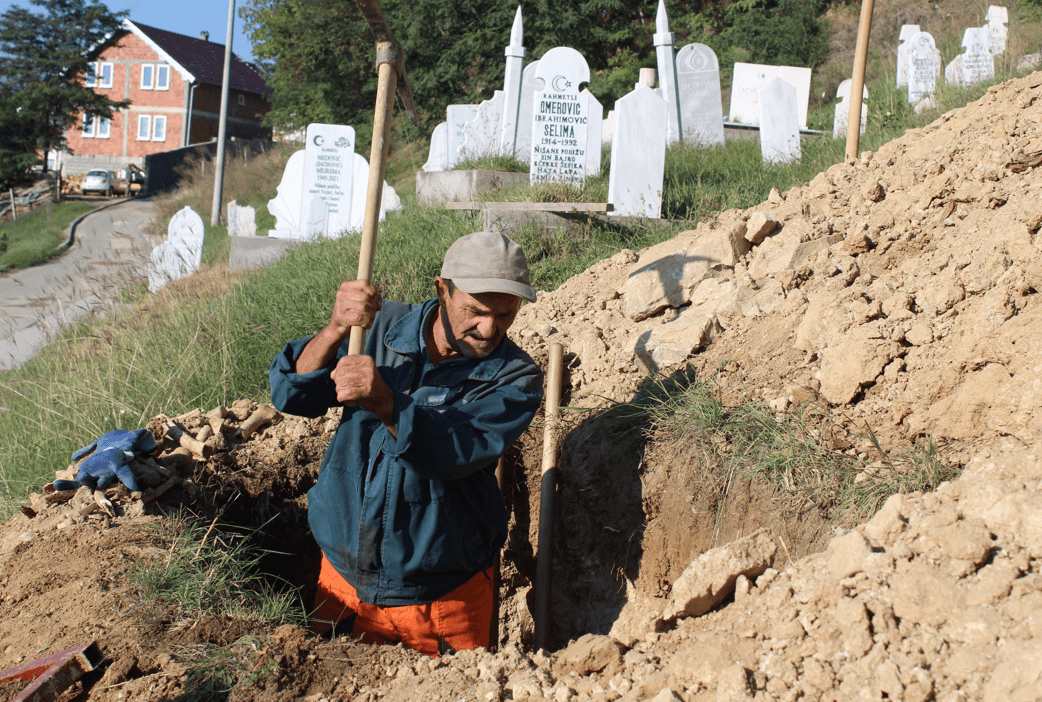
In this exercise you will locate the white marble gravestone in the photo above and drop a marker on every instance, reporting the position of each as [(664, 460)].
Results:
[(608, 128), (594, 126), (530, 84), (181, 253), (245, 220), (638, 154), (779, 122), (230, 226), (907, 32), (750, 79), (295, 214), (438, 158), (664, 41), (998, 18), (329, 173), (457, 117), (560, 119), (978, 65), (481, 134), (512, 78), (953, 74), (839, 121), (701, 109), (924, 64)]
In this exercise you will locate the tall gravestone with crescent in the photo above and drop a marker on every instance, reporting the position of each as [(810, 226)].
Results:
[(998, 18), (701, 108), (638, 154), (779, 122), (329, 173), (842, 115), (907, 32), (560, 133), (924, 64)]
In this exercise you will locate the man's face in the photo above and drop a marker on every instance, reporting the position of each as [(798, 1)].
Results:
[(474, 325)]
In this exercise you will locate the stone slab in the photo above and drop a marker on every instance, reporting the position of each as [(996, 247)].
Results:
[(750, 79), (250, 252), (445, 186)]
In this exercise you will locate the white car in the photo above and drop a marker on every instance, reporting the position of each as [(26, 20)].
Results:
[(96, 181)]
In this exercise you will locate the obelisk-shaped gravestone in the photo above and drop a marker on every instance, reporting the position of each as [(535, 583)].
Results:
[(438, 158), (529, 85), (638, 154), (560, 119), (667, 72), (779, 123), (457, 117), (998, 18), (978, 65), (701, 108), (329, 173), (907, 32), (923, 67), (515, 54), (594, 125), (842, 114)]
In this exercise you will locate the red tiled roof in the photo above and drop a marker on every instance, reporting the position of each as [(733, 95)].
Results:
[(205, 60)]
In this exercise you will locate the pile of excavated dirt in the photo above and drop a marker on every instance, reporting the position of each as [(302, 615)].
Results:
[(897, 291)]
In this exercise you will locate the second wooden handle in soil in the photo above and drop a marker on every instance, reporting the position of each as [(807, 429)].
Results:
[(547, 494)]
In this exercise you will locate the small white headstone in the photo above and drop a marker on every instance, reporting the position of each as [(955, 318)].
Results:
[(701, 109), (231, 218), (181, 253), (953, 73), (608, 128), (978, 65), (638, 154), (328, 174), (998, 18), (560, 119), (594, 128), (750, 79), (924, 65), (907, 32), (839, 123), (530, 84), (457, 116), (438, 158), (285, 206), (779, 122), (245, 220), (481, 134)]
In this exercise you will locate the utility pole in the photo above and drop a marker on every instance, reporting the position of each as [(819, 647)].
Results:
[(222, 129)]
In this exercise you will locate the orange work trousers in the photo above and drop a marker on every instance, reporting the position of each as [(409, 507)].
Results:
[(459, 620)]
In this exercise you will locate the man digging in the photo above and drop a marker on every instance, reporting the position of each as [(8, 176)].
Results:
[(406, 509)]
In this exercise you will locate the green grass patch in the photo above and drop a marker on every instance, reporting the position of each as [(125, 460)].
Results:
[(794, 450), (33, 238)]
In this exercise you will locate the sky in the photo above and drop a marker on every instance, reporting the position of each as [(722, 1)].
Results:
[(187, 17)]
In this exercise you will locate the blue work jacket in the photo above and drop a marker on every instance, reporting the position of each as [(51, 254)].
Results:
[(408, 520)]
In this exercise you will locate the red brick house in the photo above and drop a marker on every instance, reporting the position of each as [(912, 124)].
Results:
[(173, 83)]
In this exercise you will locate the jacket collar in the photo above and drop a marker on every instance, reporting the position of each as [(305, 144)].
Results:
[(403, 337)]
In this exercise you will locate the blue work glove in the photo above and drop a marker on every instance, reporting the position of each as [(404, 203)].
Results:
[(111, 460)]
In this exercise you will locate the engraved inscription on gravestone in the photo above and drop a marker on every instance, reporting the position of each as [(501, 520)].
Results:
[(923, 66), (559, 119), (701, 108), (329, 172), (978, 65)]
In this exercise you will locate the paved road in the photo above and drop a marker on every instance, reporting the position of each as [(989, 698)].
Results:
[(111, 246)]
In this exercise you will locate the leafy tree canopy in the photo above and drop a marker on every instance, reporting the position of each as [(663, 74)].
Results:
[(46, 56), (318, 54)]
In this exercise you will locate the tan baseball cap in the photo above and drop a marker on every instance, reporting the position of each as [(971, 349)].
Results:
[(485, 262)]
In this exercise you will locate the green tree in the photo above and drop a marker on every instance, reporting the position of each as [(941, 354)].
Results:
[(17, 140), (46, 56)]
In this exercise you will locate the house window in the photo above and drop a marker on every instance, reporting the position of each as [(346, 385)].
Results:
[(162, 77), (144, 127), (159, 128), (88, 126), (148, 72), (104, 75), (242, 99), (104, 127)]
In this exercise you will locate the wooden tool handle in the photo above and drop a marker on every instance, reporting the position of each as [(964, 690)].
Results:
[(547, 496), (385, 88)]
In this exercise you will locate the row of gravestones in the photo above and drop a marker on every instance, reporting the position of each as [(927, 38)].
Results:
[(919, 61)]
